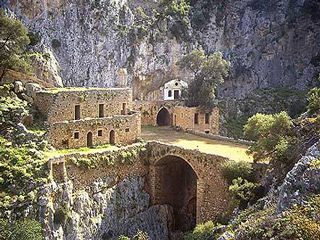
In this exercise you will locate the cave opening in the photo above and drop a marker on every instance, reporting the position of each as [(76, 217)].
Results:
[(163, 117), (176, 185)]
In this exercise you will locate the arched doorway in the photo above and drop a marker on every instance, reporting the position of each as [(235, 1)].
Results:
[(177, 186), (163, 117), (112, 137), (89, 139)]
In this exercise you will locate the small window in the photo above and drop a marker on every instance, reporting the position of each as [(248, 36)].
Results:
[(99, 133), (206, 118), (101, 112), (124, 109), (207, 132), (76, 135), (127, 130), (196, 118), (176, 84), (169, 93), (182, 115), (77, 112)]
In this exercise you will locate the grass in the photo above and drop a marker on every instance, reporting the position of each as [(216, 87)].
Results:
[(232, 151), (95, 149)]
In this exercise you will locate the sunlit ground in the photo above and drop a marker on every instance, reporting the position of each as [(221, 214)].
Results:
[(233, 151)]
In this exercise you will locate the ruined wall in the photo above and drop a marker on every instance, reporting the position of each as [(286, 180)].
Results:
[(185, 118), (63, 106), (212, 189), (127, 129), (149, 110), (44, 101)]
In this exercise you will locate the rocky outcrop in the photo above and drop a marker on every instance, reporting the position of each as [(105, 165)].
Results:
[(302, 180), (90, 43), (103, 211)]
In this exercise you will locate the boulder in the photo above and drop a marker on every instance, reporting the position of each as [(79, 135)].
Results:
[(32, 88), (27, 98), (18, 87)]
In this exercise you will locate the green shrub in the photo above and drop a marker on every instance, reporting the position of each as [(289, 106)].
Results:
[(26, 230), (201, 232), (243, 190), (122, 237), (314, 101), (232, 170)]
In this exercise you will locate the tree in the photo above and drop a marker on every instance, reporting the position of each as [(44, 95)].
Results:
[(272, 134), (209, 71), (13, 42), (314, 99)]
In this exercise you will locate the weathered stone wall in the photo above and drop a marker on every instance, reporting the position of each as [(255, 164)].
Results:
[(127, 129), (212, 189), (44, 102), (64, 101), (118, 191), (184, 117), (149, 110)]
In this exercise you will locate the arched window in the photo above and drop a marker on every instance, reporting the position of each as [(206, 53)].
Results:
[(169, 93)]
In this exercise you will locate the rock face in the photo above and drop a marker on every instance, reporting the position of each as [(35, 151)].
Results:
[(91, 43), (302, 180), (104, 211)]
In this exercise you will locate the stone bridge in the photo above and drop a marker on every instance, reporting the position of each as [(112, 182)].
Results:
[(188, 180)]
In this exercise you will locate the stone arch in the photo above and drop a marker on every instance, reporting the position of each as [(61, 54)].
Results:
[(163, 117), (176, 185), (112, 137), (89, 140)]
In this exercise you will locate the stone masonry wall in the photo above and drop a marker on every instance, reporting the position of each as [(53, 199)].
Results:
[(212, 189), (184, 117), (127, 129), (64, 100)]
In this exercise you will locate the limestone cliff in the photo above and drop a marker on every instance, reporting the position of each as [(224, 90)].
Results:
[(269, 43)]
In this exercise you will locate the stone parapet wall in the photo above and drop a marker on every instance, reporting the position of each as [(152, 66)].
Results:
[(60, 104), (127, 129), (184, 117)]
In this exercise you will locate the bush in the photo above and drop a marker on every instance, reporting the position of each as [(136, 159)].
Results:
[(272, 134), (232, 170), (314, 101), (243, 190), (201, 231), (22, 230)]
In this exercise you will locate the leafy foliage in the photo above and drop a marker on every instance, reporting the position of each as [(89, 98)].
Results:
[(23, 230), (201, 232), (232, 170), (209, 71), (273, 136), (14, 40), (243, 190), (314, 100)]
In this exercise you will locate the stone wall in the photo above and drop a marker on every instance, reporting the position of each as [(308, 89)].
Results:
[(127, 129), (90, 184), (185, 118), (212, 189), (62, 102)]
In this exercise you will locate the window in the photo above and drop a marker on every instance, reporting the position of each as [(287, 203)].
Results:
[(124, 109), (99, 133), (176, 94), (169, 93), (76, 135), (101, 112), (206, 118), (127, 130), (77, 112), (176, 84), (196, 118)]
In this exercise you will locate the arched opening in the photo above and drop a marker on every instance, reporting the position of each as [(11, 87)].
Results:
[(89, 139), (176, 185), (112, 137), (163, 117)]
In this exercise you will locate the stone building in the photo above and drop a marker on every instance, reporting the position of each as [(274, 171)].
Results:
[(175, 114), (81, 117), (173, 89)]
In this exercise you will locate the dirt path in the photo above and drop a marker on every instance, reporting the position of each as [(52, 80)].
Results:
[(187, 140)]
